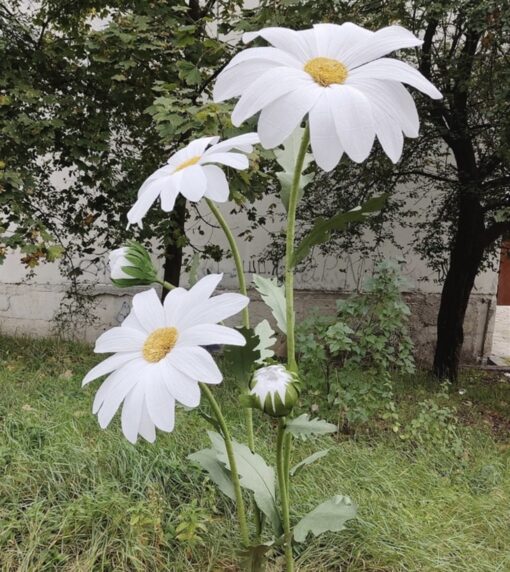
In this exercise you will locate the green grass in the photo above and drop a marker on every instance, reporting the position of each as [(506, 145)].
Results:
[(75, 498)]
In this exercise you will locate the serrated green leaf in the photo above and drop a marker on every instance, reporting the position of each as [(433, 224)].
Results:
[(254, 474), (322, 228), (274, 297), (308, 461), (265, 334), (239, 361), (328, 516), (303, 427), (286, 158), (207, 459)]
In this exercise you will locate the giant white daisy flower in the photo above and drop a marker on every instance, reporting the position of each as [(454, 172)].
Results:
[(337, 76), (193, 171), (159, 356)]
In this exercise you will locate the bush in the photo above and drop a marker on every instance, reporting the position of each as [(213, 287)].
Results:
[(354, 355)]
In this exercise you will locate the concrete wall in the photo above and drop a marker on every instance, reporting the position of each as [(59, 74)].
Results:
[(29, 306)]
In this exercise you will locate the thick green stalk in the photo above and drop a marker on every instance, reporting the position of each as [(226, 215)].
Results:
[(248, 414), (241, 513), (287, 446), (289, 251), (166, 284), (284, 494)]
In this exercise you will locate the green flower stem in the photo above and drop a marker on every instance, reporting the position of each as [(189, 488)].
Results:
[(289, 251), (166, 284), (241, 513), (287, 447), (248, 414), (235, 253), (284, 494)]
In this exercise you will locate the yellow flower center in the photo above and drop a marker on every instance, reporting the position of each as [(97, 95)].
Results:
[(159, 344), (326, 71), (193, 161)]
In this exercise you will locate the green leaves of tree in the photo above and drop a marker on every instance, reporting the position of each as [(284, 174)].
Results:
[(323, 228), (328, 516), (304, 427), (274, 297)]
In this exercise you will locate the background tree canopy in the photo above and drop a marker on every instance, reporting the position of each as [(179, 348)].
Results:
[(105, 105)]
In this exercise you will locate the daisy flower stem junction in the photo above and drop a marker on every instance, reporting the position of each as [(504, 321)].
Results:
[(241, 512), (289, 250)]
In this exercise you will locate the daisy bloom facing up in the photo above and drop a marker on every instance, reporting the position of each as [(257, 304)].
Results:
[(159, 356), (194, 172), (336, 75)]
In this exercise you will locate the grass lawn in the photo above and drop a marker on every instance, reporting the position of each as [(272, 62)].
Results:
[(76, 498)]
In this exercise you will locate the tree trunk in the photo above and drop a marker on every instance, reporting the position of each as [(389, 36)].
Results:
[(465, 260), (173, 250)]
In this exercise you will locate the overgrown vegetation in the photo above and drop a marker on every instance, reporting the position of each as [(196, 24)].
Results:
[(75, 498), (358, 352)]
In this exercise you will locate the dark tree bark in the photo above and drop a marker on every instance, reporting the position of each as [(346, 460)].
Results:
[(173, 250), (465, 260)]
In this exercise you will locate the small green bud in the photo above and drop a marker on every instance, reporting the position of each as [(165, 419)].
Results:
[(275, 390), (131, 265)]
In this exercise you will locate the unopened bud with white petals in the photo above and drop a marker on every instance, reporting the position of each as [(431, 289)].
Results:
[(275, 390), (131, 265)]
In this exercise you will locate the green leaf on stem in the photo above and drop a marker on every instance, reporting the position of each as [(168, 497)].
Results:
[(265, 334), (286, 158), (254, 474), (304, 427), (239, 361), (273, 296), (308, 461), (207, 459), (322, 229), (328, 516)]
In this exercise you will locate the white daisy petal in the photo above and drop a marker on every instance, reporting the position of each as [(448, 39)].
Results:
[(380, 44), (198, 146), (326, 147), (334, 41), (125, 379), (120, 340), (353, 120), (160, 404), (281, 117), (174, 307), (233, 81), (194, 183), (268, 55), (109, 364), (242, 142), (394, 98), (132, 412), (389, 135), (217, 184), (142, 205), (147, 429), (202, 290), (168, 197), (235, 160), (266, 89), (395, 70), (195, 362), (148, 310), (214, 310), (287, 40), (210, 334), (183, 388), (131, 321)]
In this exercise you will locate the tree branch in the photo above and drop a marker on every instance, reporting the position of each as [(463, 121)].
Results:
[(495, 231)]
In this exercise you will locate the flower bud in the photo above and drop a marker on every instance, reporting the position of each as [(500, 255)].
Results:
[(131, 265), (275, 390)]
